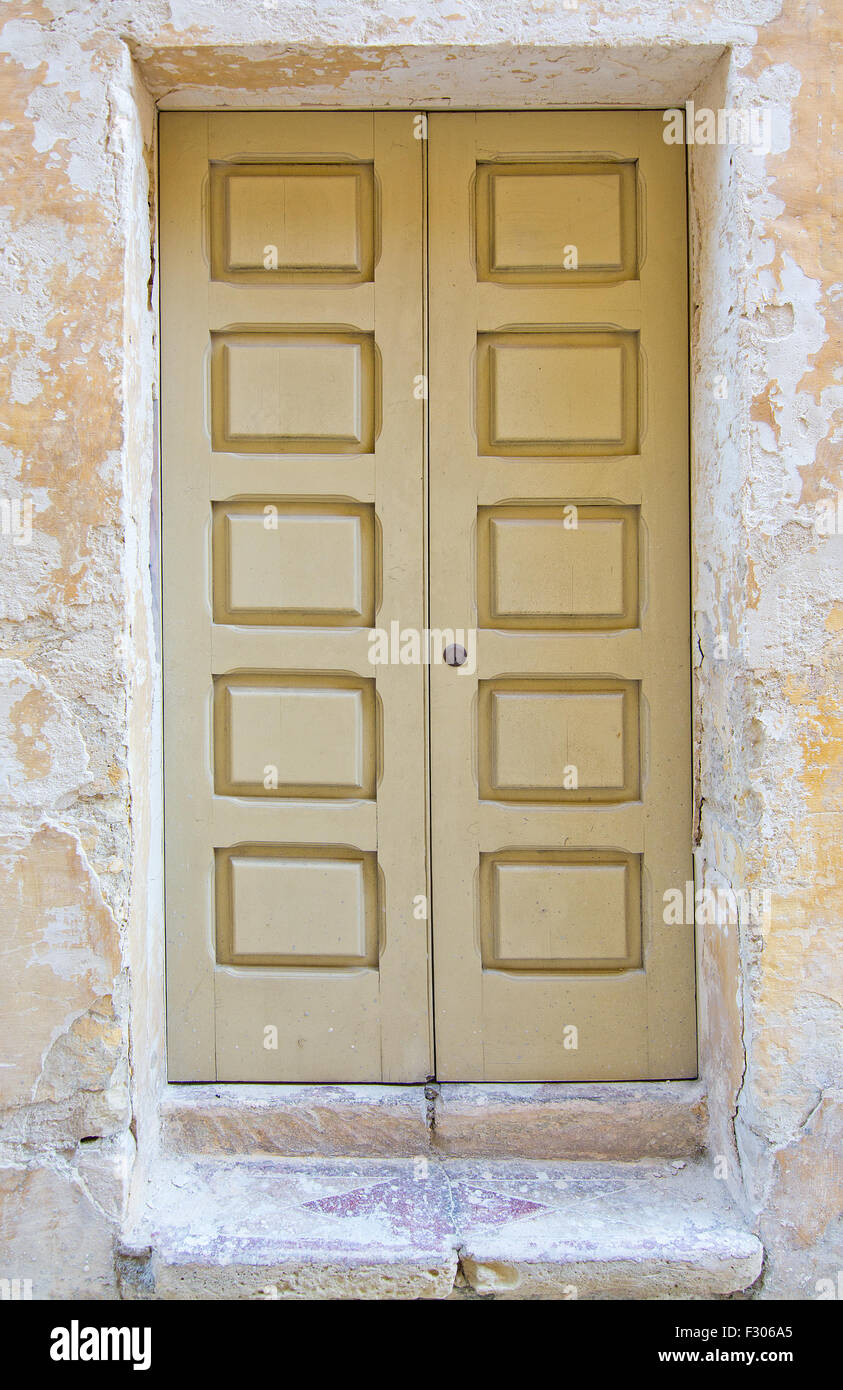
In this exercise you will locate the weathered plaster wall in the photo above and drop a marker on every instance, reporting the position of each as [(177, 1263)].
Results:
[(767, 400), (81, 1048), (76, 664)]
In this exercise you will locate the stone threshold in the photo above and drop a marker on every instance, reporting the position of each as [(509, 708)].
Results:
[(594, 1121), (431, 1228)]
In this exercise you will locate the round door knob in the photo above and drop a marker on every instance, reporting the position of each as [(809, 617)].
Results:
[(455, 655)]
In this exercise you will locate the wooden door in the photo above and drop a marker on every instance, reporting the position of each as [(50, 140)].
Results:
[(293, 522), (298, 413), (560, 787)]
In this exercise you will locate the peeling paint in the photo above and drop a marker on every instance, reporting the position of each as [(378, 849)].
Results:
[(79, 753)]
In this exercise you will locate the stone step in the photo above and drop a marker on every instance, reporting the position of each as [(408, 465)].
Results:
[(572, 1121), (269, 1227)]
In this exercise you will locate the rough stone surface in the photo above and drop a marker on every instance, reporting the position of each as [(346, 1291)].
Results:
[(802, 1225), (540, 1121), (363, 1121), (624, 1121), (62, 1046), (648, 1231), (65, 1245), (82, 1051), (278, 1228), (281, 1228)]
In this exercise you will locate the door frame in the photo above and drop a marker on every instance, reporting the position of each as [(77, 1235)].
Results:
[(659, 82)]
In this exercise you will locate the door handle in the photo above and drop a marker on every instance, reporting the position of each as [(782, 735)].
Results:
[(455, 655)]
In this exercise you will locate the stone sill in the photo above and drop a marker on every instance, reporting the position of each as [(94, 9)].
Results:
[(602, 1121), (317, 1228)]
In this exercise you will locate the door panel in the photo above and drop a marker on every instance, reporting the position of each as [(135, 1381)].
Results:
[(293, 507), (560, 778)]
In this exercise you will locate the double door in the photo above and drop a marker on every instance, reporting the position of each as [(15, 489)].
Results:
[(424, 389)]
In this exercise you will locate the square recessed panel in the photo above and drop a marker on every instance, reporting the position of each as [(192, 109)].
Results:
[(288, 906), (304, 564), (555, 910), (293, 392), (285, 736), (568, 566), (556, 223), (566, 393), (565, 740), (292, 223)]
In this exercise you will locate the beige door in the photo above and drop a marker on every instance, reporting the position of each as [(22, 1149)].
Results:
[(559, 526), (293, 520), (295, 296)]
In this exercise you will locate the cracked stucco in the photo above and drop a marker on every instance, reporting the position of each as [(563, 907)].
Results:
[(79, 752)]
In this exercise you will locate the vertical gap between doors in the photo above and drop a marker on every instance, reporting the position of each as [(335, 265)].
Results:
[(426, 597)]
